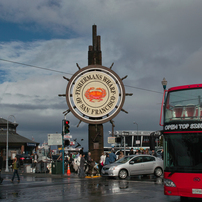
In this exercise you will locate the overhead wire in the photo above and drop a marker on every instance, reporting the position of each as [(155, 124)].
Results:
[(19, 63), (53, 70), (143, 89)]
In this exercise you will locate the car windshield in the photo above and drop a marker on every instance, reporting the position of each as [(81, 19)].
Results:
[(124, 159)]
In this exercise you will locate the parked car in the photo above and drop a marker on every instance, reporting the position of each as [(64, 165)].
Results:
[(134, 165), (24, 158)]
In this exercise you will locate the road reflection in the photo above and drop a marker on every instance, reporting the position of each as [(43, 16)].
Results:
[(50, 189)]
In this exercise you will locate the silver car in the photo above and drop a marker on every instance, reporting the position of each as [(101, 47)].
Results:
[(134, 165)]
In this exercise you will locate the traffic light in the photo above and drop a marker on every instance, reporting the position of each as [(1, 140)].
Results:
[(66, 126), (66, 143), (118, 139)]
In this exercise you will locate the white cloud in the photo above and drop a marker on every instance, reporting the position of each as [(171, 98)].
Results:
[(146, 40)]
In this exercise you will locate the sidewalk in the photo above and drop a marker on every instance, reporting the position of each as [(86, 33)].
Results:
[(47, 175), (43, 175)]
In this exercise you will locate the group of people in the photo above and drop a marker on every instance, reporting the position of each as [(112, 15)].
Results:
[(107, 159), (80, 164), (146, 151)]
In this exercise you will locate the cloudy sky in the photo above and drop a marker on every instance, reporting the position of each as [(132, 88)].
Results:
[(146, 39)]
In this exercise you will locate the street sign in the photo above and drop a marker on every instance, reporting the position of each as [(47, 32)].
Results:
[(111, 140), (55, 139), (72, 143), (67, 136)]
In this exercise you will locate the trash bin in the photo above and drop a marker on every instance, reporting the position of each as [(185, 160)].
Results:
[(53, 167), (27, 168), (57, 167), (44, 167)]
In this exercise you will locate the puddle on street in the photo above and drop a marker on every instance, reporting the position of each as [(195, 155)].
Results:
[(58, 189)]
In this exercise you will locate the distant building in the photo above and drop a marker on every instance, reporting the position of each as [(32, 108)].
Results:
[(17, 144)]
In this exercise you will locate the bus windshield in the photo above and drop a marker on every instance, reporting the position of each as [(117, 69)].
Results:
[(184, 104), (183, 152)]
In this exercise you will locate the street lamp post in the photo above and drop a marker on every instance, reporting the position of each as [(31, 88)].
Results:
[(164, 83), (7, 144), (137, 128)]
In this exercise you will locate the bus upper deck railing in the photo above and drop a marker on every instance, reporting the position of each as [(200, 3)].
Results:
[(179, 112)]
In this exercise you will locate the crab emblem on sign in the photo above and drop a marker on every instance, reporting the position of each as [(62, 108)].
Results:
[(95, 94)]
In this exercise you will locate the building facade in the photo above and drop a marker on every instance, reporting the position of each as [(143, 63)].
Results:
[(17, 144)]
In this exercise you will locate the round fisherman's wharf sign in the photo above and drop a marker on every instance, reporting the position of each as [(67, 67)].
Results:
[(95, 94)]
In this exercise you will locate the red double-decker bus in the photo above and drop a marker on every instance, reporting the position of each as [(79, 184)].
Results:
[(182, 132)]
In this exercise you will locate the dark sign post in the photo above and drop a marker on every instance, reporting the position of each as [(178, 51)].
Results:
[(95, 132), (124, 134), (65, 130), (95, 94), (63, 163)]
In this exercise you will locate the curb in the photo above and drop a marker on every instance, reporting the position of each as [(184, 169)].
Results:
[(92, 176), (46, 175)]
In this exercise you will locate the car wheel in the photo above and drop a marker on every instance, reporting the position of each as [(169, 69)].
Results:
[(158, 172), (123, 174)]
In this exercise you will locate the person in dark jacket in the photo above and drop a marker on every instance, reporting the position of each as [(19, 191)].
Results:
[(131, 151), (82, 166), (81, 151), (112, 156)]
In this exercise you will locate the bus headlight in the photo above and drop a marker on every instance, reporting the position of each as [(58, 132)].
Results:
[(169, 183)]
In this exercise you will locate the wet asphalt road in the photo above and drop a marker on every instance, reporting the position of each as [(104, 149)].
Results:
[(72, 188)]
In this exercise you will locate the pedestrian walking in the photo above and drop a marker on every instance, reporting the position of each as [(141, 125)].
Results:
[(91, 163), (16, 165), (35, 157), (82, 166), (76, 163), (102, 161)]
